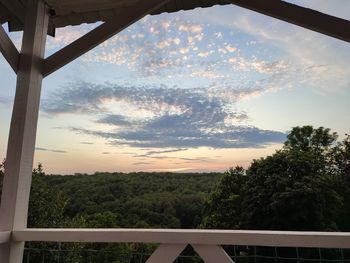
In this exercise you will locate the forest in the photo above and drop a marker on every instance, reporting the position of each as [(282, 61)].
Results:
[(302, 186)]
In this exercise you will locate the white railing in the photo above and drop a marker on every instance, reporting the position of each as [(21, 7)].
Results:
[(207, 243)]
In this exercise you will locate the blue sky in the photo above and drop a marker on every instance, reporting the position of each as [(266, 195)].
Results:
[(199, 90)]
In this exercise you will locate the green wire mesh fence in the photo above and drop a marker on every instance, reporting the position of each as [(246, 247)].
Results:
[(239, 254)]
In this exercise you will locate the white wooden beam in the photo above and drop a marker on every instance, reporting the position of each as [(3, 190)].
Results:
[(8, 49), (325, 24), (166, 253), (20, 151), (99, 34), (212, 253), (189, 236)]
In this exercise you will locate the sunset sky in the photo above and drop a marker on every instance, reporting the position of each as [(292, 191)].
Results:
[(199, 90)]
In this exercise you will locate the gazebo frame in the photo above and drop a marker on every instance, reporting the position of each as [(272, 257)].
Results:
[(31, 67)]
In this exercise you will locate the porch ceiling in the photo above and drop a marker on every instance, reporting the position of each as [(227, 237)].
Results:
[(76, 12)]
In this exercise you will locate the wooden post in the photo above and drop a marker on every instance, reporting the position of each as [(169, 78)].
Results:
[(21, 144)]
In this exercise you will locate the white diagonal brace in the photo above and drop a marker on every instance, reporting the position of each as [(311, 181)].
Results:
[(99, 34), (212, 253), (8, 50), (301, 16), (166, 253)]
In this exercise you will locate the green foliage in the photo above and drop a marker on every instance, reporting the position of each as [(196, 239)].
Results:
[(301, 187), (111, 200), (46, 205), (228, 197), (341, 166), (136, 199), (307, 139)]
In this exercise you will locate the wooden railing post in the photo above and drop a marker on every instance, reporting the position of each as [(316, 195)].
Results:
[(21, 144)]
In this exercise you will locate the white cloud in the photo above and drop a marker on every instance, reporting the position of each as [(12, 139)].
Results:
[(314, 59), (177, 40), (190, 28), (230, 48), (205, 54), (184, 50), (179, 118), (66, 35), (209, 74)]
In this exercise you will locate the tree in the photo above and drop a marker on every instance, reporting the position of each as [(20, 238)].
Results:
[(341, 166), (296, 188), (308, 139), (46, 204), (341, 158), (224, 207), (290, 191)]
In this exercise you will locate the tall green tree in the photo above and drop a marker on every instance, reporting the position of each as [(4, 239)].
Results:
[(224, 208), (296, 188), (341, 166), (46, 204)]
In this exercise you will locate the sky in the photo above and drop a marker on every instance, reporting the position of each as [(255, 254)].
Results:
[(200, 90)]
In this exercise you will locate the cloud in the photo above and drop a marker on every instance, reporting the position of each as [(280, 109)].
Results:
[(115, 119), (150, 153), (209, 74), (305, 57), (190, 28), (186, 50), (177, 49), (158, 156), (87, 143), (170, 117), (198, 159), (196, 44), (159, 152), (49, 150), (67, 35), (141, 163), (205, 54)]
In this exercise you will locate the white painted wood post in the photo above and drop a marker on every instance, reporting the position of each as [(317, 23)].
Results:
[(21, 144)]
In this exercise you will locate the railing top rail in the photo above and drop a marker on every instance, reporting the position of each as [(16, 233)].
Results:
[(189, 236)]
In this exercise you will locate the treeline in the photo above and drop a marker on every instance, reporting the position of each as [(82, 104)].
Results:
[(137, 200), (113, 200)]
